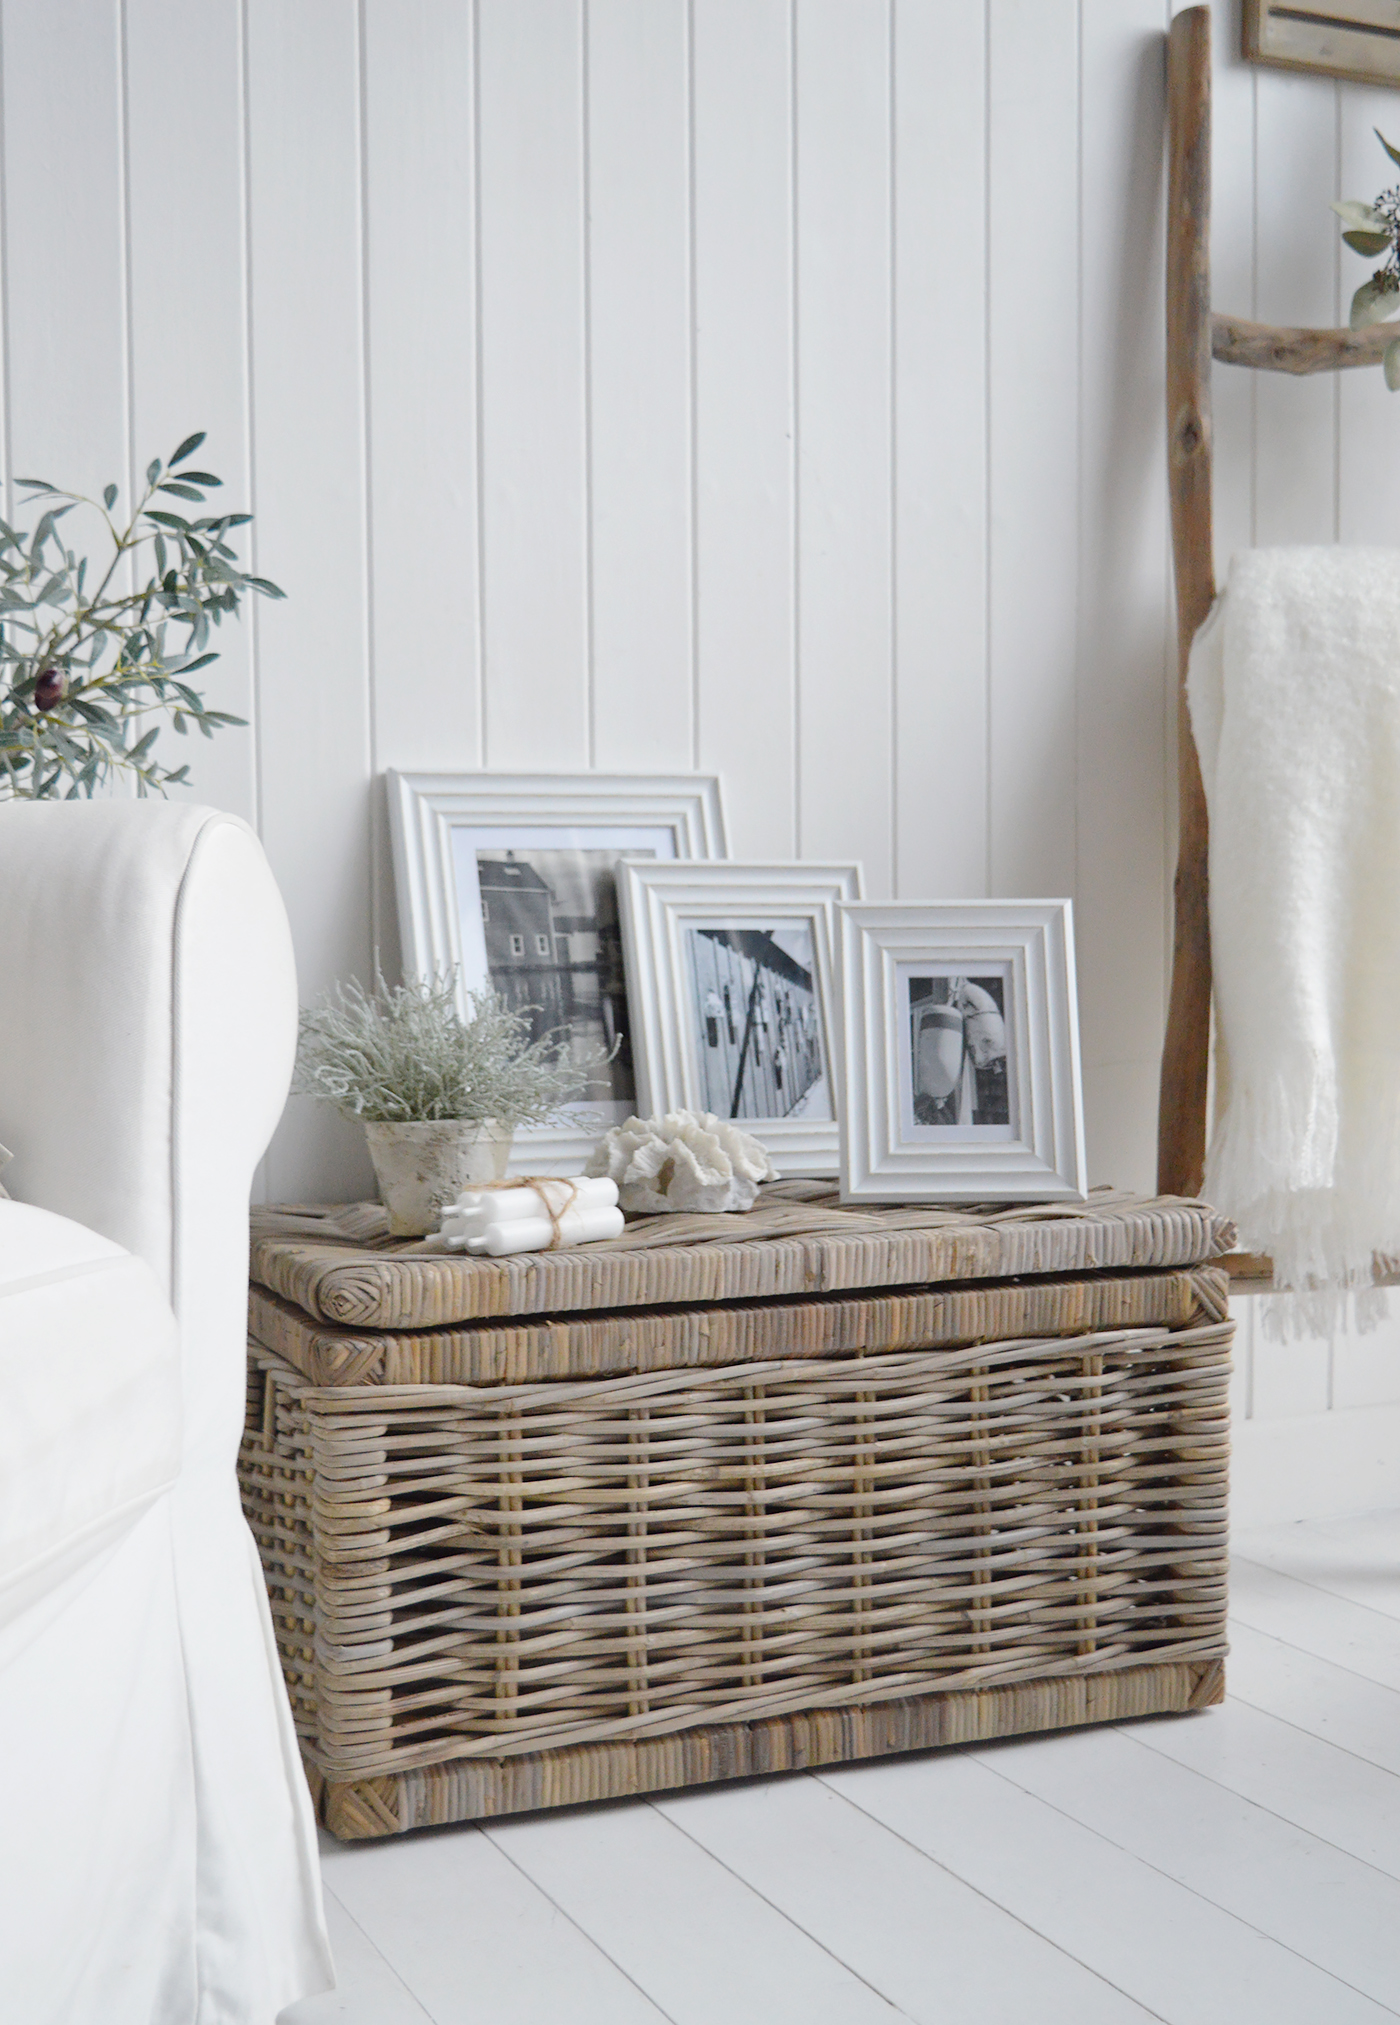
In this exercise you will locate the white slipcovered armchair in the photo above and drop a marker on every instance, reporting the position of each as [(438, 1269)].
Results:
[(158, 1859)]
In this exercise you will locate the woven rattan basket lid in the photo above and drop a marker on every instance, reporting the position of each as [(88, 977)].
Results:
[(338, 1264)]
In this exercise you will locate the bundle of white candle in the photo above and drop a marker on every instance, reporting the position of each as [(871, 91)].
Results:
[(531, 1218)]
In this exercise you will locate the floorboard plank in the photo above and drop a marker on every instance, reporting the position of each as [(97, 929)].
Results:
[(368, 1990), (476, 1941), (1316, 1695), (1356, 1558), (1188, 1961), (1341, 1914), (1353, 1635), (708, 1949), (928, 1941), (1337, 1797)]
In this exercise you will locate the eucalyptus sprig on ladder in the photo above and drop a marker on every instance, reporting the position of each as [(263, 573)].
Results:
[(1371, 229), (82, 670)]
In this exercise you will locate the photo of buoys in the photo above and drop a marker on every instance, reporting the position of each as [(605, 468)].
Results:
[(958, 1051)]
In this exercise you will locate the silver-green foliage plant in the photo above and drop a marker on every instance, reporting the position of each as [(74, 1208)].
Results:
[(1373, 229), (404, 1054), (86, 657)]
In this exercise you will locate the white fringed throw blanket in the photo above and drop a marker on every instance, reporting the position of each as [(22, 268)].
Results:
[(1294, 689)]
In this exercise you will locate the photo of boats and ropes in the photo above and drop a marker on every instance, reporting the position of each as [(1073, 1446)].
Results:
[(757, 1013)]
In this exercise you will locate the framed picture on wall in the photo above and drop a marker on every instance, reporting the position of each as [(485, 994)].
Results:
[(510, 879), (730, 971), (1334, 38), (959, 1053)]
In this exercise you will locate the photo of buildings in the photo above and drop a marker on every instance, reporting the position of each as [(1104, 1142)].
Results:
[(554, 948)]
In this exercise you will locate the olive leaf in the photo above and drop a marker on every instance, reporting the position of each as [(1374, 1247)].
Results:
[(1369, 243), (1391, 365)]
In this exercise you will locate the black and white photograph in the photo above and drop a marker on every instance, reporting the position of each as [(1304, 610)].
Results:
[(539, 922), (958, 1052), (957, 1044), (732, 989), (757, 1021), (554, 951)]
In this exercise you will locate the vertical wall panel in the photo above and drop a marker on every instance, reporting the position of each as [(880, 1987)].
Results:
[(533, 428), (1124, 586), (308, 393), (639, 361), (1295, 476), (940, 450), (1033, 323), (420, 322), (1366, 1369), (1288, 1378), (744, 416), (65, 246), (189, 318), (844, 448)]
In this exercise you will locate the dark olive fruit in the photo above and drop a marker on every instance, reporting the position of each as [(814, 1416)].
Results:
[(48, 690)]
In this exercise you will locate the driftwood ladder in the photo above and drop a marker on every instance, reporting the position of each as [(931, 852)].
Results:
[(1194, 337)]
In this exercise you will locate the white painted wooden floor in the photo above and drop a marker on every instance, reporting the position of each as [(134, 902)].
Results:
[(1238, 1866)]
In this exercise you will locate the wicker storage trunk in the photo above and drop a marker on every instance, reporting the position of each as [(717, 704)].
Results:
[(732, 1494)]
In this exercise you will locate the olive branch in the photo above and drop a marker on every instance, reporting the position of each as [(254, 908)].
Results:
[(81, 669)]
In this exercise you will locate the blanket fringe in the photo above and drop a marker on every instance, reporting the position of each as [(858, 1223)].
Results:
[(1327, 1312), (1275, 1161)]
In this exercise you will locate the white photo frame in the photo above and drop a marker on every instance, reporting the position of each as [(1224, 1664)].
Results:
[(566, 832), (959, 1053), (731, 980)]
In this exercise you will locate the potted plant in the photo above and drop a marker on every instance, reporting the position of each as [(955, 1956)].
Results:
[(439, 1096), (90, 653)]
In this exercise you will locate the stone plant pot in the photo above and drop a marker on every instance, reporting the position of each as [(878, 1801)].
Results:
[(423, 1165)]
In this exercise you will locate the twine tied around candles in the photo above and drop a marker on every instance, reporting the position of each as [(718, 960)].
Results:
[(541, 1184)]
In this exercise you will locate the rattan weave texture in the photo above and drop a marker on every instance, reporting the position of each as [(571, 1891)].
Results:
[(472, 1789), (633, 1339), (478, 1572), (342, 1268)]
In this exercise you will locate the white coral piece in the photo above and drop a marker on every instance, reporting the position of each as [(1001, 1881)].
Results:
[(688, 1160)]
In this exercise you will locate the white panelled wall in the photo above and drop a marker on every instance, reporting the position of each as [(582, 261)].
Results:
[(766, 387)]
